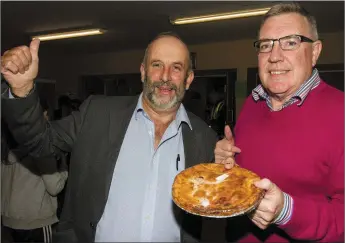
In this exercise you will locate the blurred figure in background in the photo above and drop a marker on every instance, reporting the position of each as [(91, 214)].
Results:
[(217, 117), (29, 189), (66, 105)]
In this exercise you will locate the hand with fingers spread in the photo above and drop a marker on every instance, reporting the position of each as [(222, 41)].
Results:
[(225, 149), (270, 206), (19, 67)]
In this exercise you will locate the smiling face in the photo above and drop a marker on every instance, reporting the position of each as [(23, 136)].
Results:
[(166, 73), (283, 72)]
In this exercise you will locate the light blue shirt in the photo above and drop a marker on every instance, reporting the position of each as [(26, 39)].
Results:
[(140, 206)]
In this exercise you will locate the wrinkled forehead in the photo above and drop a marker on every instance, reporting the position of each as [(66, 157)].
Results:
[(170, 48), (283, 25)]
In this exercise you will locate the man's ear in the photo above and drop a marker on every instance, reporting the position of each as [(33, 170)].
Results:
[(190, 79), (142, 72), (317, 47)]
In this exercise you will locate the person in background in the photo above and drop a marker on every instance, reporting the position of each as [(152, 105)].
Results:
[(66, 106), (291, 133), (29, 189), (125, 151), (217, 117)]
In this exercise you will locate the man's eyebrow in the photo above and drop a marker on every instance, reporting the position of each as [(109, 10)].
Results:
[(155, 60), (174, 63), (178, 63)]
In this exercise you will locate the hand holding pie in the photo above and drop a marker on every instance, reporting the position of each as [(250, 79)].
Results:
[(210, 190)]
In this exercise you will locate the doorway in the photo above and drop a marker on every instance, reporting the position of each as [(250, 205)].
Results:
[(211, 96)]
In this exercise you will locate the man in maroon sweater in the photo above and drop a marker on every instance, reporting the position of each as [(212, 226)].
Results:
[(291, 133)]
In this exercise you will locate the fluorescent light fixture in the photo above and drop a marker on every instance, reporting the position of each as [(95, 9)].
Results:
[(70, 34), (220, 16)]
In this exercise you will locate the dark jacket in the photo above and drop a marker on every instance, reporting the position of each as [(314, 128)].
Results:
[(94, 137)]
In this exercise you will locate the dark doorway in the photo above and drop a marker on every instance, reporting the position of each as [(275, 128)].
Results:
[(212, 97)]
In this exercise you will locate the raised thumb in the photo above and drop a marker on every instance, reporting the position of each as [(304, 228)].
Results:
[(34, 47), (228, 133)]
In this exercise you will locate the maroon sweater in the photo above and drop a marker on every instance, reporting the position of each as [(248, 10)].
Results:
[(301, 150)]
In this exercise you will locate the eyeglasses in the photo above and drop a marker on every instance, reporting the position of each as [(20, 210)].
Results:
[(286, 43)]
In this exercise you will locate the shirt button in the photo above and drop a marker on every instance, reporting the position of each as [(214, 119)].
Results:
[(92, 225)]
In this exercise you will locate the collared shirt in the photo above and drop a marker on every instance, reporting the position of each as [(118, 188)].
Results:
[(139, 205), (300, 95)]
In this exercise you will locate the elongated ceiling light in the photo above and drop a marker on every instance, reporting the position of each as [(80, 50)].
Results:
[(220, 16), (69, 34)]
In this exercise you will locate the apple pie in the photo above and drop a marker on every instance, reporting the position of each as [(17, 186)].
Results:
[(209, 189)]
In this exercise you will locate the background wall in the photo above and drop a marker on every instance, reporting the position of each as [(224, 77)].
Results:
[(241, 55)]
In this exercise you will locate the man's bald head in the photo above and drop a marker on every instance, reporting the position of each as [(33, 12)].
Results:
[(167, 35)]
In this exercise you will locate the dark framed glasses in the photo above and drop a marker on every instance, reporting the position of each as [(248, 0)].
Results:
[(286, 43)]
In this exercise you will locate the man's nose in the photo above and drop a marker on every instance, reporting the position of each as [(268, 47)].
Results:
[(276, 54), (166, 74)]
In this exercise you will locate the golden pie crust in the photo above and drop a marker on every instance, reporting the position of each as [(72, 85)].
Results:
[(197, 191)]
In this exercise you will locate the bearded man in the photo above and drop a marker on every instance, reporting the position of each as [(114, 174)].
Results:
[(125, 151)]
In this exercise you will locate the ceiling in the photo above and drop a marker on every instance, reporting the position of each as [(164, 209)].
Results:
[(131, 24)]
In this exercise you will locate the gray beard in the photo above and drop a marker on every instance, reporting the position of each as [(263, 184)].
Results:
[(149, 92)]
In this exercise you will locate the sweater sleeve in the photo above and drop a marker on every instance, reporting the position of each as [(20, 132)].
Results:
[(321, 220), (55, 182), (54, 178)]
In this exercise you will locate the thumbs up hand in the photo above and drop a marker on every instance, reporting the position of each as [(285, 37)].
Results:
[(225, 149), (19, 67)]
